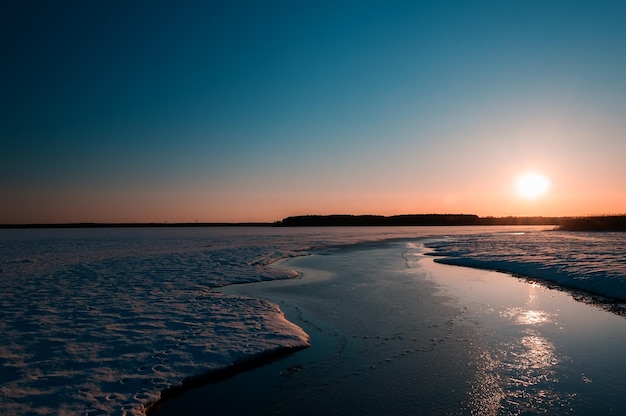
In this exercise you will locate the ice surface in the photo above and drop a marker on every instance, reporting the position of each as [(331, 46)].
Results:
[(593, 262), (115, 346), (385, 341), (101, 321), (544, 352)]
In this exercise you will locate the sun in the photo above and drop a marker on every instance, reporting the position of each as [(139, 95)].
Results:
[(532, 185)]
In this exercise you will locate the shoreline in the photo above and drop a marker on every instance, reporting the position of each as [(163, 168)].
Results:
[(349, 357), (615, 306), (215, 376), (555, 352), (464, 346)]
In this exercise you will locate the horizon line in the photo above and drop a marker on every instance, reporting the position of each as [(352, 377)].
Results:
[(90, 224)]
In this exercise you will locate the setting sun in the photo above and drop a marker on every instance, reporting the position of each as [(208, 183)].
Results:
[(532, 185)]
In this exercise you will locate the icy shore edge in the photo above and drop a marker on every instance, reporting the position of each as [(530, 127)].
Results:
[(214, 376), (580, 293)]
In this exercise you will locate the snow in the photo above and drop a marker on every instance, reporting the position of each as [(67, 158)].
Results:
[(101, 321), (592, 262), (109, 350), (392, 332)]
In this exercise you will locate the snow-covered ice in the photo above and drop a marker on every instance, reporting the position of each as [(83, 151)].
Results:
[(392, 332), (100, 321), (592, 262)]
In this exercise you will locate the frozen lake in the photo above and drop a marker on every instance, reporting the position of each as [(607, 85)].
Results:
[(100, 321), (394, 333)]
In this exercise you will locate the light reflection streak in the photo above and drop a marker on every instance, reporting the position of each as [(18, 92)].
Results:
[(487, 391), (523, 316), (527, 362), (519, 377), (518, 368)]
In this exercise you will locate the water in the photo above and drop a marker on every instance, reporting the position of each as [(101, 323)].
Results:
[(385, 342), (538, 351), (99, 321)]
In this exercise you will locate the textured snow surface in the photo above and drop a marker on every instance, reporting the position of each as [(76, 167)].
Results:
[(100, 321), (593, 262)]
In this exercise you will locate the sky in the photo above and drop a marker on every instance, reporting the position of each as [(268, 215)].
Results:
[(229, 111)]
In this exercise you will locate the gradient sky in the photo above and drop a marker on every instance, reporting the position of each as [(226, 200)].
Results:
[(252, 111)]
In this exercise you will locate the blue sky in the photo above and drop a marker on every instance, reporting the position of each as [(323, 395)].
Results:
[(237, 111)]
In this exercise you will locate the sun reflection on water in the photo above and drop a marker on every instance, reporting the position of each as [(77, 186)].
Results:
[(523, 316), (521, 367), (528, 361), (528, 368)]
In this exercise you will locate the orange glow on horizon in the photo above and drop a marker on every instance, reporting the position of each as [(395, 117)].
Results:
[(490, 196)]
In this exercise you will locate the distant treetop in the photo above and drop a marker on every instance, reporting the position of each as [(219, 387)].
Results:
[(409, 220)]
